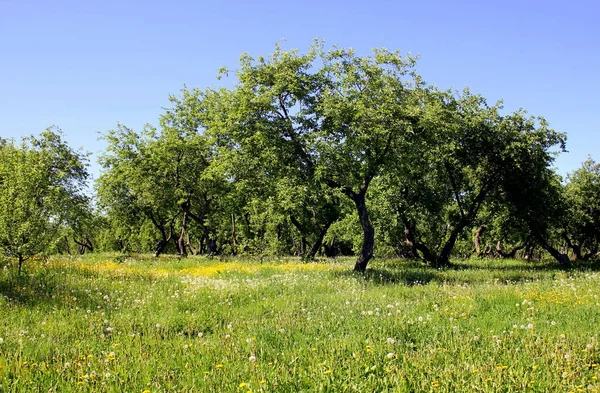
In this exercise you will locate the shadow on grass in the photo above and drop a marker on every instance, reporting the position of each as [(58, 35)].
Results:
[(467, 272), (382, 276), (44, 287)]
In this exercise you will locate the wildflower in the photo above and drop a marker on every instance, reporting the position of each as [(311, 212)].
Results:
[(1, 340), (252, 358), (391, 341), (243, 385), (327, 372), (390, 355)]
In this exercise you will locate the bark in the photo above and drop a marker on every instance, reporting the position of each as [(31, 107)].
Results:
[(575, 247), (211, 246), (304, 245), (159, 248), (181, 241), (319, 242), (21, 260), (466, 219), (428, 256), (444, 258), (84, 245), (477, 240), (233, 238), (592, 253), (189, 244), (563, 259), (513, 251), (368, 245)]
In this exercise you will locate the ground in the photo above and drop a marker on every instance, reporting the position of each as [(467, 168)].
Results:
[(108, 323)]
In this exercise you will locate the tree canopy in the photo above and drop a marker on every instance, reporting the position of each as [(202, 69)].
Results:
[(320, 153), (41, 180)]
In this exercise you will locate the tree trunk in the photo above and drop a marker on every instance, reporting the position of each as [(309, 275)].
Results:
[(319, 242), (444, 258), (563, 259), (181, 240), (513, 251), (592, 253), (21, 260), (189, 244), (84, 245), (233, 238), (428, 256), (160, 247), (211, 246), (477, 240), (575, 247), (368, 245)]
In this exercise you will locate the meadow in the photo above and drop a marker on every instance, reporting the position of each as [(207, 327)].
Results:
[(108, 323)]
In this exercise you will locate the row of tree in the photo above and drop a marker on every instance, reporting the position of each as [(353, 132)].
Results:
[(324, 152)]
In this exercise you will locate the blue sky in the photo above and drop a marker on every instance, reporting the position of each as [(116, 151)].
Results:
[(86, 65)]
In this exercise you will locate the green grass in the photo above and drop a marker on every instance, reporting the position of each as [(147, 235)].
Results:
[(111, 324)]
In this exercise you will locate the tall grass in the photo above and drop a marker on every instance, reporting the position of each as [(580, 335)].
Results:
[(111, 324)]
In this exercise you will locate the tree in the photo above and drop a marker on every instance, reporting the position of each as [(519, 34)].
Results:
[(134, 188), (41, 181), (467, 155), (582, 222), (334, 119)]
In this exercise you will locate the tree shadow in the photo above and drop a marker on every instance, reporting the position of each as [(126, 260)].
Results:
[(466, 272), (576, 266), (390, 276), (45, 287)]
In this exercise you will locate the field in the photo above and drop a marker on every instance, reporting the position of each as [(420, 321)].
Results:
[(105, 323)]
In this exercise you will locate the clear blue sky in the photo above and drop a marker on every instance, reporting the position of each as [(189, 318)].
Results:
[(85, 65)]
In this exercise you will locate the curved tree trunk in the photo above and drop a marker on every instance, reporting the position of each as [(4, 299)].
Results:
[(181, 241), (428, 256), (513, 251), (368, 245), (319, 242), (477, 240), (444, 258), (563, 259)]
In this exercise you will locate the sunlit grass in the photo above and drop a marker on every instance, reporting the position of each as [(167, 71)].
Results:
[(107, 323)]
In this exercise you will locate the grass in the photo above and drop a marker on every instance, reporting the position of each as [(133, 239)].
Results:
[(110, 324)]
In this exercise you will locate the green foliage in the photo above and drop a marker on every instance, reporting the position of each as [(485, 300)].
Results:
[(467, 156), (582, 221), (42, 184)]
